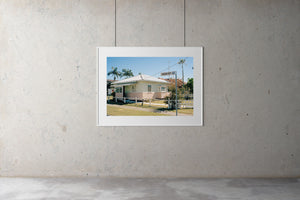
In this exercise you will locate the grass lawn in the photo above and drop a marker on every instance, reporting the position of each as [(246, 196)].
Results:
[(188, 111), (159, 101), (146, 105), (116, 111), (185, 111)]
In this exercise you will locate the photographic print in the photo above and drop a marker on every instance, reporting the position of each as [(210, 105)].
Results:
[(150, 86)]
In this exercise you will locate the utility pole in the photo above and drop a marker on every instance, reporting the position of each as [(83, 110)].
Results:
[(176, 93), (173, 73), (169, 69), (182, 61), (182, 73)]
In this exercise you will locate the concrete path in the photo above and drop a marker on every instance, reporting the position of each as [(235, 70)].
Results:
[(148, 189), (149, 110)]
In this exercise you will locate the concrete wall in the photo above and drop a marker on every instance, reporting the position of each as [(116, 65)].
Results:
[(48, 89)]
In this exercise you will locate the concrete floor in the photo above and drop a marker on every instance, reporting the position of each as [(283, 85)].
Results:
[(146, 189)]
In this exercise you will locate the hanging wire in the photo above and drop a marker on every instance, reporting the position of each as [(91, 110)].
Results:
[(115, 23), (184, 23)]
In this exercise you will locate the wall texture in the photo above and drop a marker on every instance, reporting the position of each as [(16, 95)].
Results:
[(48, 89)]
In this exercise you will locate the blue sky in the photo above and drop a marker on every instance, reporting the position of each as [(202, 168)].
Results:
[(151, 65)]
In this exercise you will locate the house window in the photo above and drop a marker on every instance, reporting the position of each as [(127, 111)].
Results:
[(119, 90), (149, 88), (162, 89), (133, 88)]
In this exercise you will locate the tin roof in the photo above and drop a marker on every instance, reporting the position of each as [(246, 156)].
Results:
[(140, 77)]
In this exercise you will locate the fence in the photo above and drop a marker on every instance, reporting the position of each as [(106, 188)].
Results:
[(156, 102)]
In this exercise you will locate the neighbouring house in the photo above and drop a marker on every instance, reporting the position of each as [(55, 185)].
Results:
[(141, 87)]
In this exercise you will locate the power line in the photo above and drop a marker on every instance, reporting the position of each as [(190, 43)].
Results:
[(169, 67)]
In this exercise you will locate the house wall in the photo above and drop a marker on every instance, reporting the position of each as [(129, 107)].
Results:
[(148, 95), (130, 89), (251, 88), (119, 95), (134, 95), (142, 86), (141, 90)]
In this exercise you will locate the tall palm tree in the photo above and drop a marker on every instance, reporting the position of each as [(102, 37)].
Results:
[(127, 73), (116, 74), (181, 62)]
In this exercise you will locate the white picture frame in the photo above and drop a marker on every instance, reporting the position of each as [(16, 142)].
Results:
[(105, 52)]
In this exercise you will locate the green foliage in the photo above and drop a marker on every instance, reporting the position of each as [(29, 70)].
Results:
[(172, 97), (115, 73), (190, 85), (181, 61), (127, 73)]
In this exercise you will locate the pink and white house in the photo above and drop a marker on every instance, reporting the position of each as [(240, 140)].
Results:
[(141, 87)]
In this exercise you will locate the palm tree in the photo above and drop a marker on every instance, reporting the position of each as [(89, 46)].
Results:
[(127, 73), (181, 62), (116, 74)]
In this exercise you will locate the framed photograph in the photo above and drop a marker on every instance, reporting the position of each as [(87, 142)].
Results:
[(150, 86)]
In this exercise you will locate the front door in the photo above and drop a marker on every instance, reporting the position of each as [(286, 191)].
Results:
[(123, 91)]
